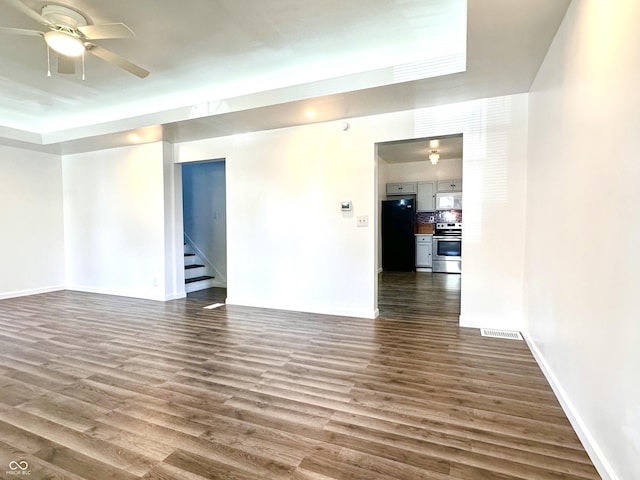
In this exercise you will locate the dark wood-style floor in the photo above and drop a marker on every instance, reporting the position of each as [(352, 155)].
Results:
[(418, 295), (99, 387)]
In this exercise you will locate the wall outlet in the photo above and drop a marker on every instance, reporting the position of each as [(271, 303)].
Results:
[(362, 220)]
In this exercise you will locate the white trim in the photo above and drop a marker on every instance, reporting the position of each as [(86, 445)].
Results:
[(200, 285), (32, 291), (175, 296), (589, 442), (142, 294), (323, 310)]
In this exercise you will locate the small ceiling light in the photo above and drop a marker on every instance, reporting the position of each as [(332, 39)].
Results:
[(64, 43), (434, 156), (310, 113)]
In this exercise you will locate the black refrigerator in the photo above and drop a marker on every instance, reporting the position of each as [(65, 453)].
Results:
[(398, 239)]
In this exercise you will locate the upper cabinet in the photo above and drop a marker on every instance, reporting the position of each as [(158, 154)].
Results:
[(425, 197), (401, 188), (454, 185)]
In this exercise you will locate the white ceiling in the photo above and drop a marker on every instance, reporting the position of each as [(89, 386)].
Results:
[(418, 149), (230, 66)]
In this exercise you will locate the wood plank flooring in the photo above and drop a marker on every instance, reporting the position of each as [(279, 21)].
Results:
[(99, 387), (416, 294)]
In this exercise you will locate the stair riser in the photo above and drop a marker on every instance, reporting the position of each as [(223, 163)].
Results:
[(191, 260), (201, 285), (194, 272)]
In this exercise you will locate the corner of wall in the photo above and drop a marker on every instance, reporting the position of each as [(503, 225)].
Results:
[(584, 434)]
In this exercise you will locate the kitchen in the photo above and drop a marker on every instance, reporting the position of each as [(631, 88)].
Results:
[(420, 235)]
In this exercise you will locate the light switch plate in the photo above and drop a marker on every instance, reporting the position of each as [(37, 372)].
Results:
[(362, 220)]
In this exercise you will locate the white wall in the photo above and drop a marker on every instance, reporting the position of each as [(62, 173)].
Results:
[(582, 256), (173, 225), (32, 240), (204, 194), (114, 212), (288, 244), (284, 188)]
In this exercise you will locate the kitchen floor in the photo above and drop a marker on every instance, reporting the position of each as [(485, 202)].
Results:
[(419, 294)]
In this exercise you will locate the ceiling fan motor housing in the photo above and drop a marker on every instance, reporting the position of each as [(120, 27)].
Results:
[(63, 16)]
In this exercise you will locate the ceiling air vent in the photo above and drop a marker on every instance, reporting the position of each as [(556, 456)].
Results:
[(509, 334)]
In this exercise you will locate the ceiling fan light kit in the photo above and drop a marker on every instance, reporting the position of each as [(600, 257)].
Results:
[(64, 43), (70, 35)]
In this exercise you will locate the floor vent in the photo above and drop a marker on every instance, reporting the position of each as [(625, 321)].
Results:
[(509, 334)]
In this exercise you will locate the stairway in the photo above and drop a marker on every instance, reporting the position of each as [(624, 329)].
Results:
[(196, 276)]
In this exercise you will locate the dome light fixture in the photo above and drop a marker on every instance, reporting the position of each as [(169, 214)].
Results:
[(64, 43), (434, 156)]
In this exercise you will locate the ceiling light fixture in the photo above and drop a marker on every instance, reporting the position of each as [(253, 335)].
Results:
[(434, 156), (64, 43)]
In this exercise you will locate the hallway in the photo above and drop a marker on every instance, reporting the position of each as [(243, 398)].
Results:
[(419, 295)]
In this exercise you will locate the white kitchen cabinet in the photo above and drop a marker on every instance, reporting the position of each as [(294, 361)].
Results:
[(424, 251), (453, 185), (426, 197), (401, 188)]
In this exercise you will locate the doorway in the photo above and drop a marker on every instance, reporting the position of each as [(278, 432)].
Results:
[(406, 171), (204, 224)]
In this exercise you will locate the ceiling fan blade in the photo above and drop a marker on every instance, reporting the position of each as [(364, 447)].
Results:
[(66, 65), (21, 31), (18, 5), (116, 59), (106, 31)]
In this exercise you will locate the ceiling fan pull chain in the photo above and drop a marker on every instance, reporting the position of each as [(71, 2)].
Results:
[(48, 61), (83, 55)]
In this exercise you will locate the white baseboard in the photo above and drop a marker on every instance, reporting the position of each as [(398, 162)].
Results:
[(32, 291), (340, 312), (142, 294), (175, 296), (588, 441), (201, 285)]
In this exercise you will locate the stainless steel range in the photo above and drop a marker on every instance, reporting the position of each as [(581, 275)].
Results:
[(447, 248)]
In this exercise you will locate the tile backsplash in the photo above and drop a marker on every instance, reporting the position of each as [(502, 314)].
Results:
[(439, 216)]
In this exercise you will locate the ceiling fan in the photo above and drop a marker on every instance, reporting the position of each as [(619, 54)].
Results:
[(71, 36)]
